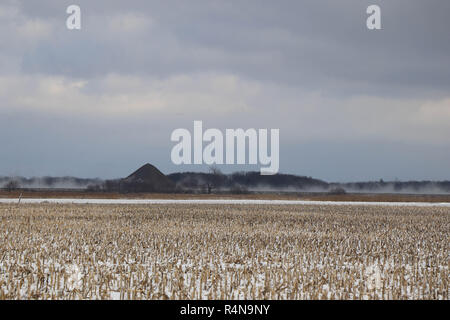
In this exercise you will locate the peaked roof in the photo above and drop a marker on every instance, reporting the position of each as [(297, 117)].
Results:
[(146, 173), (147, 179)]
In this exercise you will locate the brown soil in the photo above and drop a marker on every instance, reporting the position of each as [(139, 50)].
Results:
[(272, 196)]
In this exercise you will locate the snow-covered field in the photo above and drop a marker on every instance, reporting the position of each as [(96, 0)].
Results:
[(199, 250), (221, 201)]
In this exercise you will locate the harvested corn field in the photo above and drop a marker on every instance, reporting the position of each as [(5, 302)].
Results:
[(192, 251)]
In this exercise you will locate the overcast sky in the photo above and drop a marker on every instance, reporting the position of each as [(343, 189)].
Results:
[(350, 103)]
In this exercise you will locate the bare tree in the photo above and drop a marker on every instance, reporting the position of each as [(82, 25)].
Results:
[(12, 185), (214, 170), (215, 178)]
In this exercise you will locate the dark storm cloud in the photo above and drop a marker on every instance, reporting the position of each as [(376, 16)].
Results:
[(319, 45)]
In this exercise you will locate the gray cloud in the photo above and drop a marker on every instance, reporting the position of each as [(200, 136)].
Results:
[(314, 44)]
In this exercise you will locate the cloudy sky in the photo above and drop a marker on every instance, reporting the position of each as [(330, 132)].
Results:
[(350, 103)]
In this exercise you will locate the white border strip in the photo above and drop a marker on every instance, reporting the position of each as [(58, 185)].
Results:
[(224, 201)]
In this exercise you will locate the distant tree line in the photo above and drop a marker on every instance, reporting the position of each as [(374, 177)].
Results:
[(396, 186), (46, 182), (215, 181), (243, 182)]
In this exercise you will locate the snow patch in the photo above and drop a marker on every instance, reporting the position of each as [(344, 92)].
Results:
[(224, 201)]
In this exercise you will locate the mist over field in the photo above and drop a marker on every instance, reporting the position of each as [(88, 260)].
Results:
[(49, 182), (237, 183)]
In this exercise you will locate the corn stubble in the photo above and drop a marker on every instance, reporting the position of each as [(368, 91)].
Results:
[(223, 252)]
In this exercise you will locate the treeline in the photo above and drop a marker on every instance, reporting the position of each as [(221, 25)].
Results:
[(241, 182), (215, 181), (125, 186), (212, 182), (47, 182), (254, 182), (423, 187)]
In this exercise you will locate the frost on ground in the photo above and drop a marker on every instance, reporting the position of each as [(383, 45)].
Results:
[(220, 201), (74, 277), (213, 251)]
